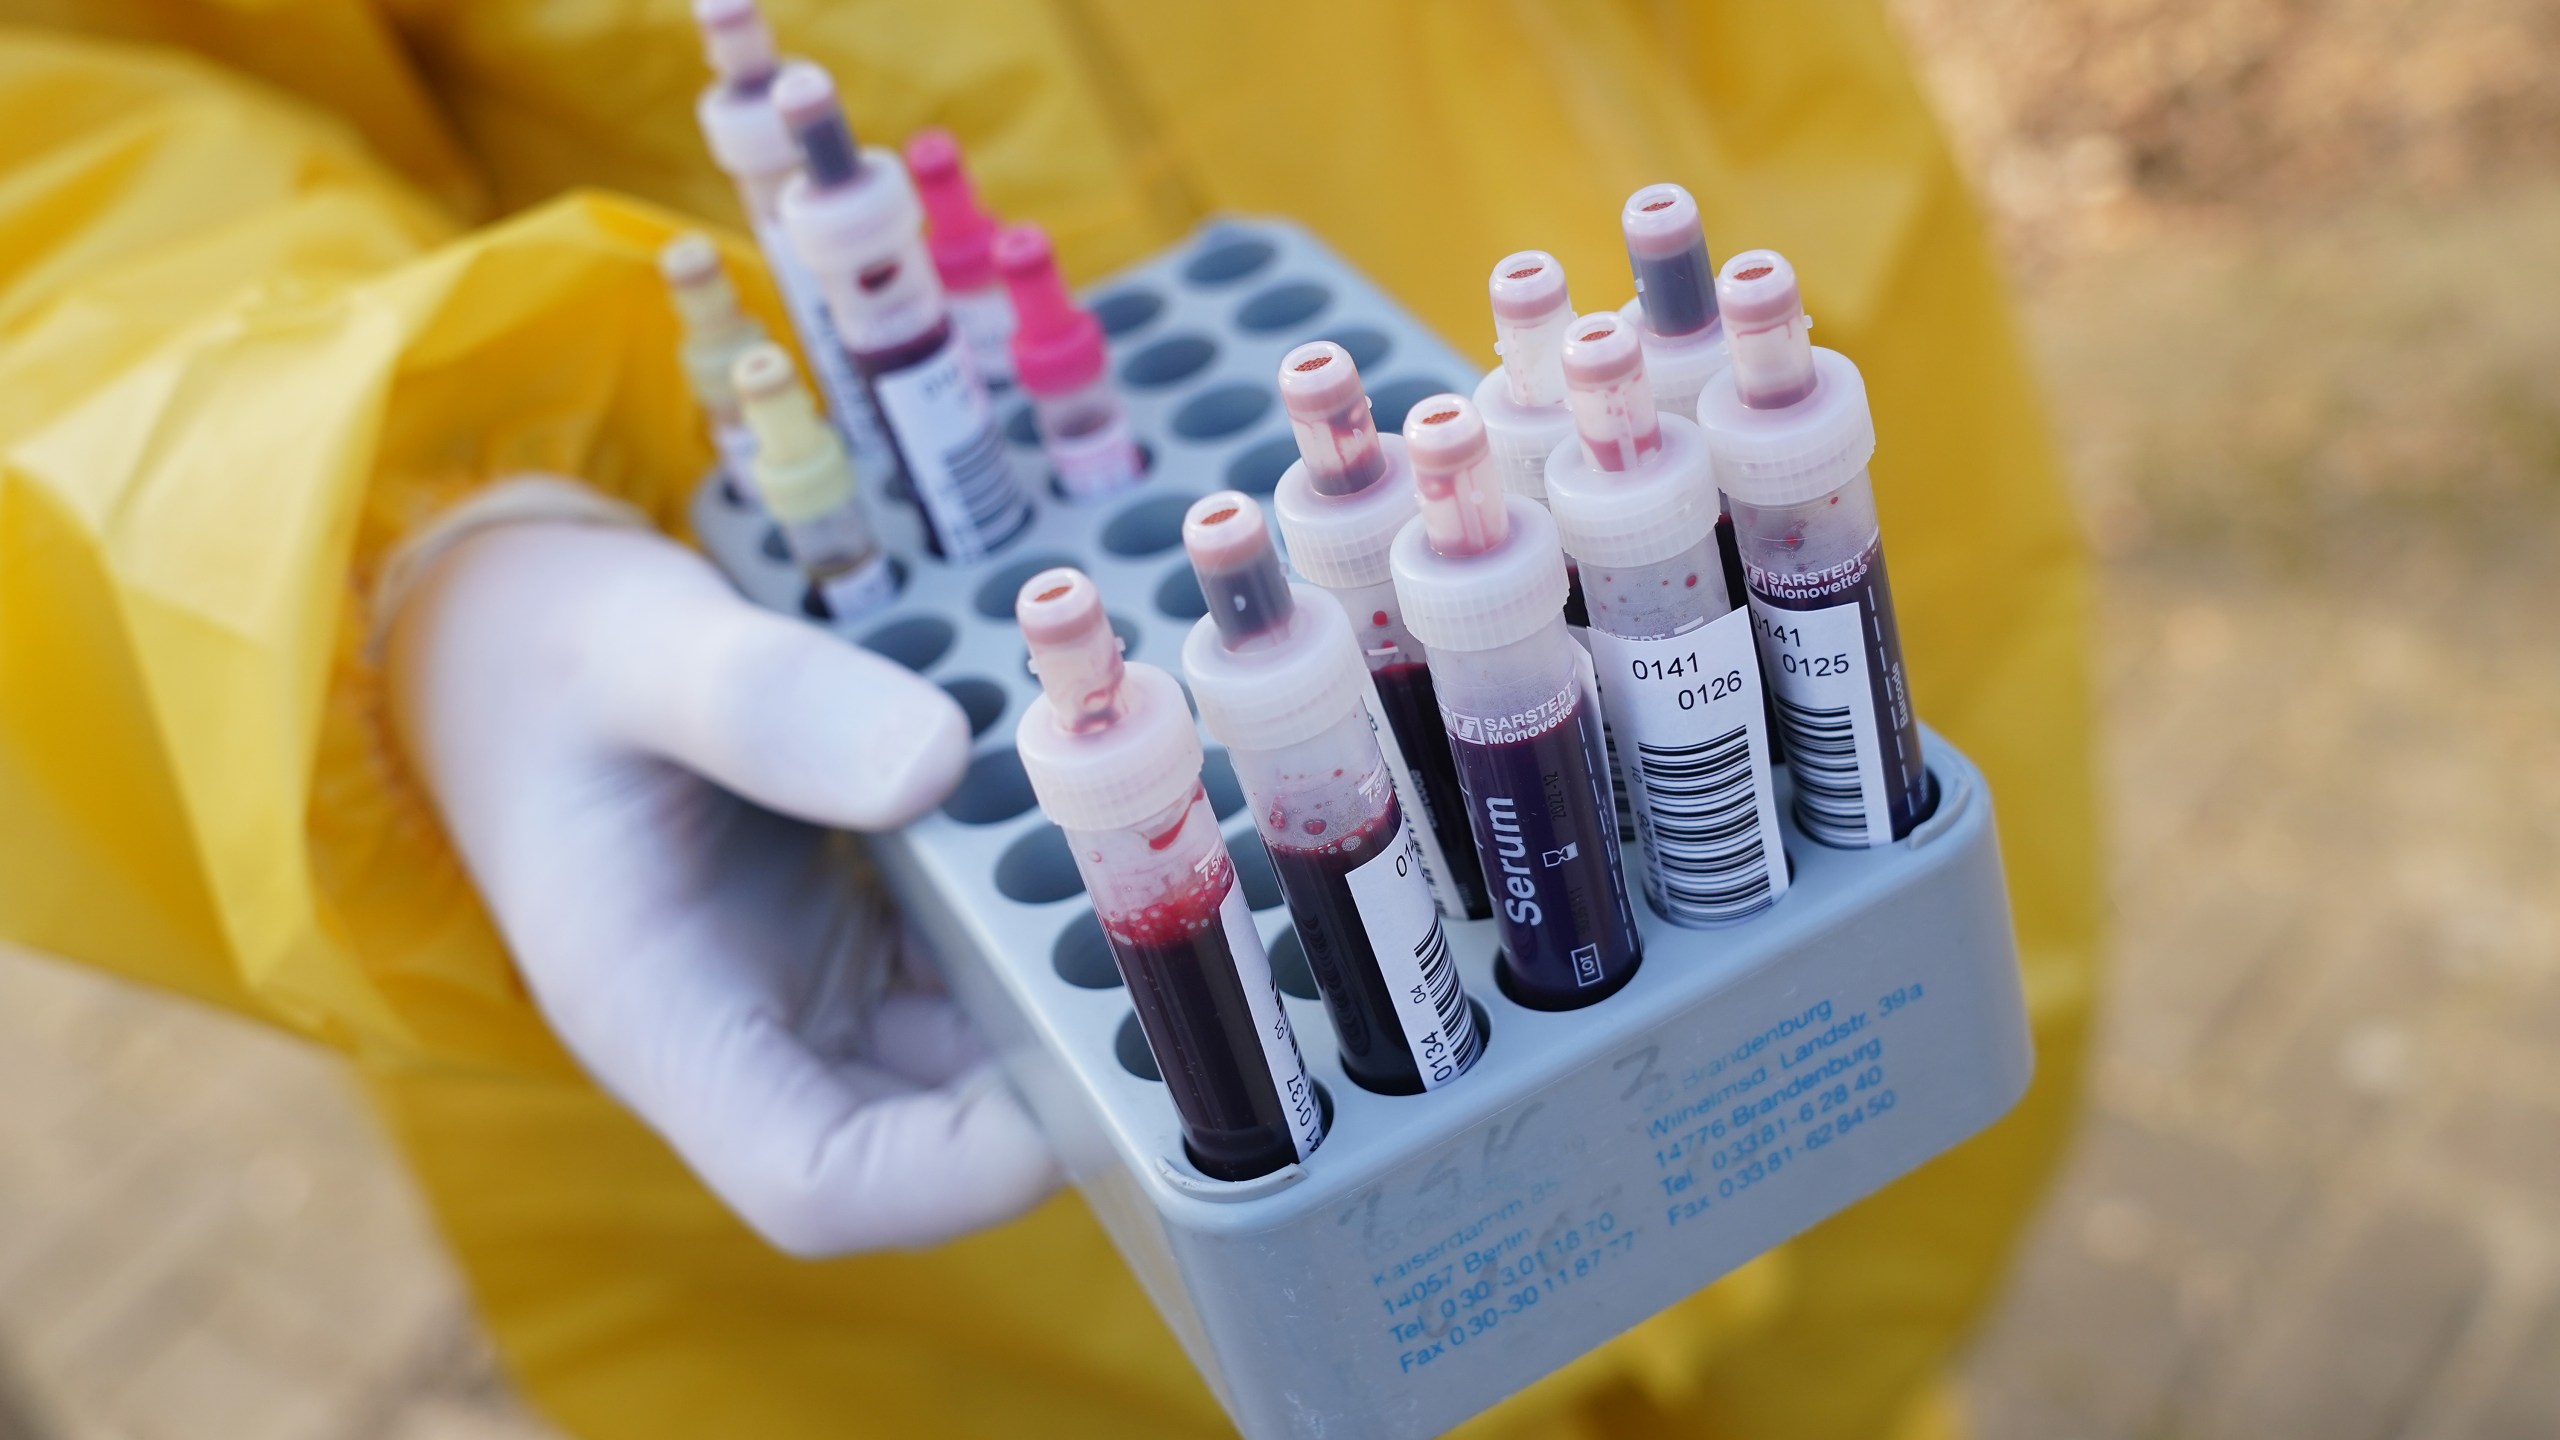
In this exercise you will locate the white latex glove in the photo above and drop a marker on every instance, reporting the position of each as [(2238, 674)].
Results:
[(587, 703)]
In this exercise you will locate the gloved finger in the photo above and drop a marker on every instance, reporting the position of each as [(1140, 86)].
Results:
[(925, 1038), (778, 710), (829, 1159)]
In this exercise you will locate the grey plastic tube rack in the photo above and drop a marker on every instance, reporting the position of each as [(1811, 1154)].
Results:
[(1439, 1251)]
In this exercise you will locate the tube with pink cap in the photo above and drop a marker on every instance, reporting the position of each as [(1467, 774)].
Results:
[(1058, 356), (1482, 581), (1114, 760), (1339, 508), (1635, 505), (855, 221), (1792, 436), (962, 236), (1279, 682), (753, 148)]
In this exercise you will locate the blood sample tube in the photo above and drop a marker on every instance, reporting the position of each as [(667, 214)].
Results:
[(1634, 505), (1522, 399), (716, 333), (753, 148), (1339, 508), (855, 221), (1482, 581), (1057, 351), (800, 471), (1675, 294), (962, 236), (1792, 436), (1114, 760), (1280, 683)]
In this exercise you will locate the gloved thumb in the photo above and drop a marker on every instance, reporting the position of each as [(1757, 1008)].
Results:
[(775, 709)]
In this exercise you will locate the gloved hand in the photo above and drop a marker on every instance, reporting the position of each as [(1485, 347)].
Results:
[(587, 704)]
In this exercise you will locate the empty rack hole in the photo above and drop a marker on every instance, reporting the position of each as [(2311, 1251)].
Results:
[(994, 787)]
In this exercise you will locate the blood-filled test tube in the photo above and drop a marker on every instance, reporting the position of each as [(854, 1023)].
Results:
[(1279, 682), (753, 148), (800, 471), (1522, 399), (1634, 504), (716, 333), (1114, 760), (1675, 294), (1792, 436), (856, 223), (1058, 354), (962, 236), (1482, 580), (1339, 508)]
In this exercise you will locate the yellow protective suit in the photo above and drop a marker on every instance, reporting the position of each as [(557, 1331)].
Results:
[(277, 279)]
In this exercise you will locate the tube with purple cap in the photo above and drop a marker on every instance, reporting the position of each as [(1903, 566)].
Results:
[(1279, 682), (1792, 436)]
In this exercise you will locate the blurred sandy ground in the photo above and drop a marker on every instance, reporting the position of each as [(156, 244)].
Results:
[(2293, 270)]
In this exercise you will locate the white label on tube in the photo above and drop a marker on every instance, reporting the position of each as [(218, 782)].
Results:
[(1417, 815), (1102, 461), (807, 307), (1694, 748), (955, 457), (985, 320), (1403, 926), (1817, 663), (1271, 1024), (737, 446), (859, 591)]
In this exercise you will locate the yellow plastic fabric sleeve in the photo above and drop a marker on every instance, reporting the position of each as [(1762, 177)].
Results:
[(247, 340)]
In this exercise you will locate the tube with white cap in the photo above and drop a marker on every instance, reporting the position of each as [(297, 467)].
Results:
[(1792, 437), (1280, 683), (799, 470), (716, 333), (1339, 508), (856, 223), (1522, 399), (1675, 294), (753, 148), (1635, 505), (1482, 580), (1114, 760)]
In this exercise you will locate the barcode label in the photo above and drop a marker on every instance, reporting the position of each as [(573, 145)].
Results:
[(1702, 830), (955, 454), (1817, 666), (1694, 758), (1416, 802), (1822, 754), (1412, 950), (1281, 1059)]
